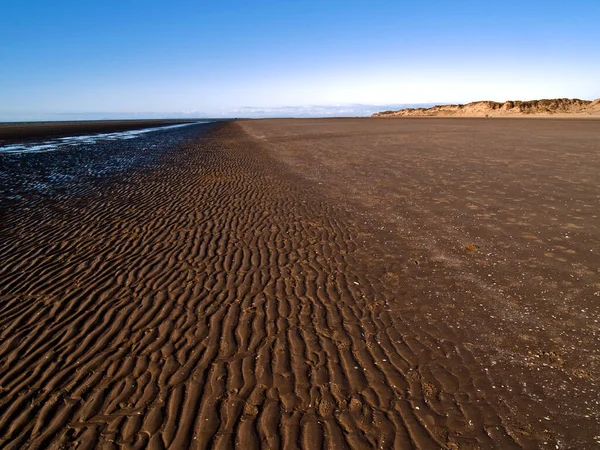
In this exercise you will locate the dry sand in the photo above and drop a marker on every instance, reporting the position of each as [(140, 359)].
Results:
[(350, 283)]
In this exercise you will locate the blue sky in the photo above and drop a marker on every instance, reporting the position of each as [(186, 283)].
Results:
[(229, 58)]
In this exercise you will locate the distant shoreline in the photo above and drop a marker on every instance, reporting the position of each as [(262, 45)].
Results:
[(13, 132)]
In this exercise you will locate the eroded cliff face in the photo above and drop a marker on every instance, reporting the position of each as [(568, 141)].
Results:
[(545, 107)]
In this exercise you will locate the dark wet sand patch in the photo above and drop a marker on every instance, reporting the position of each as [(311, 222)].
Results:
[(27, 131)]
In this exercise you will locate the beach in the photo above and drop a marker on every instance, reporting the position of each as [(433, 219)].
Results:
[(311, 283)]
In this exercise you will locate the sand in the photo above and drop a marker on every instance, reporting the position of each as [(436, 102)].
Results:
[(348, 283)]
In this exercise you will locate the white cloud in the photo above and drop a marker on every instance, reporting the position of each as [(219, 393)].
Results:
[(343, 110)]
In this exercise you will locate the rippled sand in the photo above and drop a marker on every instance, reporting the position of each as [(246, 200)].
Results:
[(311, 283)]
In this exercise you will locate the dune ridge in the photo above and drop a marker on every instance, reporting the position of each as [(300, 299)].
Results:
[(543, 108)]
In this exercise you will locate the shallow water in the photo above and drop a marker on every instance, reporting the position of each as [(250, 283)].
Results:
[(69, 141), (68, 165)]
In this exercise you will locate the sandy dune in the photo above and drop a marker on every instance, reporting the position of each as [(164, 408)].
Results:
[(312, 283), (558, 107)]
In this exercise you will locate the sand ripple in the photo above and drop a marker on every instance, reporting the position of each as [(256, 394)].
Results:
[(208, 303)]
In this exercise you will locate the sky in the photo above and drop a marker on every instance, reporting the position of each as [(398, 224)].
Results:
[(113, 59)]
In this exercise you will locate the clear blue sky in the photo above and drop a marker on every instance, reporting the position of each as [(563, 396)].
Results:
[(219, 57)]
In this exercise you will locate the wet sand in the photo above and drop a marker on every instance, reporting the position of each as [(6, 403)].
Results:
[(22, 131), (346, 283)]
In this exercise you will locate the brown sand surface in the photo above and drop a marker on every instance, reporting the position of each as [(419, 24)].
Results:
[(348, 283), (486, 233), (19, 131)]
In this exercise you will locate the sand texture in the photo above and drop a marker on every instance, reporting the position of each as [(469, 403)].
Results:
[(558, 107), (312, 284)]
